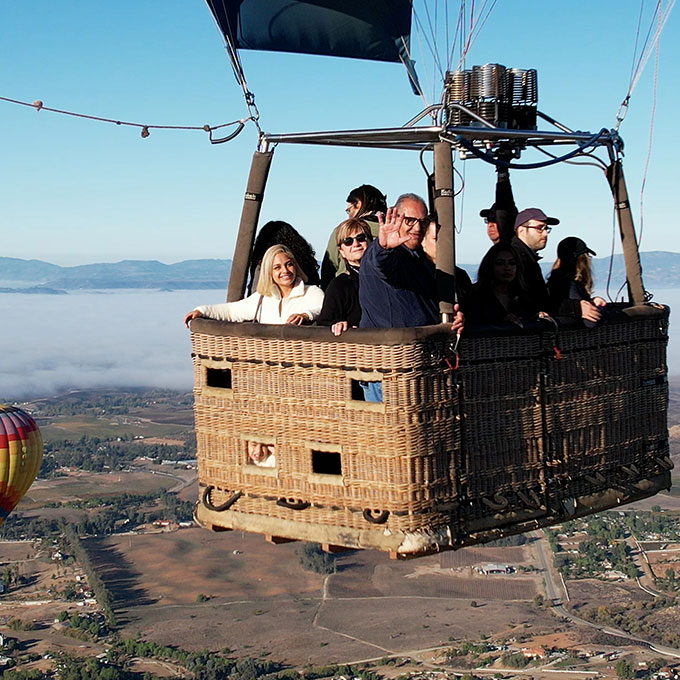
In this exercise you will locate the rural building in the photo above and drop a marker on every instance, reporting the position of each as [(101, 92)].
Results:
[(488, 569)]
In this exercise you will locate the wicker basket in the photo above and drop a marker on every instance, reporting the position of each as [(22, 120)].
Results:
[(529, 428)]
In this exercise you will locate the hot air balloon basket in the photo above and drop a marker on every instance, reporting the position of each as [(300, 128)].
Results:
[(510, 431)]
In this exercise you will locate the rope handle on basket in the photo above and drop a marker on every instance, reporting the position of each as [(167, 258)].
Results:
[(544, 316), (224, 506), (376, 516), (293, 503)]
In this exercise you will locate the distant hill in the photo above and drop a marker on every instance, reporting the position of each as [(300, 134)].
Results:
[(660, 270), (186, 275)]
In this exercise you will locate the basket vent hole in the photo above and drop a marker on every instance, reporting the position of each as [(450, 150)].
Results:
[(219, 377), (359, 390), (326, 463)]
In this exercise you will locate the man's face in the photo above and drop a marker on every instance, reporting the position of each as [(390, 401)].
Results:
[(492, 231), (415, 222), (534, 234)]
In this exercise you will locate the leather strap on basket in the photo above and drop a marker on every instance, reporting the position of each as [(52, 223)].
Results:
[(224, 506), (376, 516), (293, 503)]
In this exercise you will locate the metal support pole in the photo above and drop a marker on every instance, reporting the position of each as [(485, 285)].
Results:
[(446, 245), (257, 180), (631, 253)]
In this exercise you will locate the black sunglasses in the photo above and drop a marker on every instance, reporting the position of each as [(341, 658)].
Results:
[(360, 238)]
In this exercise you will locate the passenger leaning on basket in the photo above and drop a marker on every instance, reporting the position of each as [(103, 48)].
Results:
[(571, 283), (282, 295), (532, 227), (341, 309), (365, 202)]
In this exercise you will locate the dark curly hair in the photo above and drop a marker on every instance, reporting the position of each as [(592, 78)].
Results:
[(372, 200), (277, 232)]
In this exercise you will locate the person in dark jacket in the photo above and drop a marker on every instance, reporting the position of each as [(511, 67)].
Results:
[(398, 286), (463, 282), (499, 295), (570, 283), (532, 227), (397, 283), (341, 309)]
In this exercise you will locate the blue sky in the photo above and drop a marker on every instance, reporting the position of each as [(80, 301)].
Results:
[(76, 191)]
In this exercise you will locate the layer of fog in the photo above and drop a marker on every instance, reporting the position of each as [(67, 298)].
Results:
[(50, 343)]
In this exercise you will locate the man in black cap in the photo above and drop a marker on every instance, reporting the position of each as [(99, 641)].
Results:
[(532, 227)]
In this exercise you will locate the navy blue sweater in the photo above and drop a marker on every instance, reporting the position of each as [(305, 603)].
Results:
[(397, 288)]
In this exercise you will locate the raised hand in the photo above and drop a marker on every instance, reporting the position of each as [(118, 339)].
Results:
[(390, 224)]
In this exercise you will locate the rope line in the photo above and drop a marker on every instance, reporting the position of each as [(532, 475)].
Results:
[(649, 146), (39, 106)]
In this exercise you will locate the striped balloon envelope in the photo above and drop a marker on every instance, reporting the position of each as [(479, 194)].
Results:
[(21, 450)]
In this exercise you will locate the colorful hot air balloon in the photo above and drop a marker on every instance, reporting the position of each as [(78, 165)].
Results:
[(21, 450)]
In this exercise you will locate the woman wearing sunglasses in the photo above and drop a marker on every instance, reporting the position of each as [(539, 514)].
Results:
[(341, 309)]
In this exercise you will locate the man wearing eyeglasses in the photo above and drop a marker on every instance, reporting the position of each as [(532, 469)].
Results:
[(532, 227), (398, 288)]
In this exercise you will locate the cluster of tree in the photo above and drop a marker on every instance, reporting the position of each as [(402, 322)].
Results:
[(85, 626), (123, 511), (468, 648), (648, 523), (10, 578), (313, 558), (592, 555), (203, 665), (637, 618), (18, 527), (101, 592), (514, 660), (95, 454), (670, 581)]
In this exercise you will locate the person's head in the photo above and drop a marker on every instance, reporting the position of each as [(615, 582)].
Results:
[(490, 220), (365, 200), (532, 227), (277, 232), (430, 239), (258, 452), (279, 270), (573, 261), (415, 220), (498, 266), (352, 238)]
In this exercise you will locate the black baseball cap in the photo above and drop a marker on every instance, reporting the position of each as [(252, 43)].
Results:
[(571, 247)]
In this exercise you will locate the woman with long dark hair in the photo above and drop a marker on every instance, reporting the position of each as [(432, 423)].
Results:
[(499, 295), (570, 283), (279, 232)]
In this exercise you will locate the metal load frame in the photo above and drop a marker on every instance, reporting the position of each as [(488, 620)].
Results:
[(478, 140)]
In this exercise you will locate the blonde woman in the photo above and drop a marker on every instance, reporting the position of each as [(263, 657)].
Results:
[(341, 309), (282, 295)]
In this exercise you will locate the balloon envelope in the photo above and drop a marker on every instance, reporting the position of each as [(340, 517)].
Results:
[(21, 450)]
